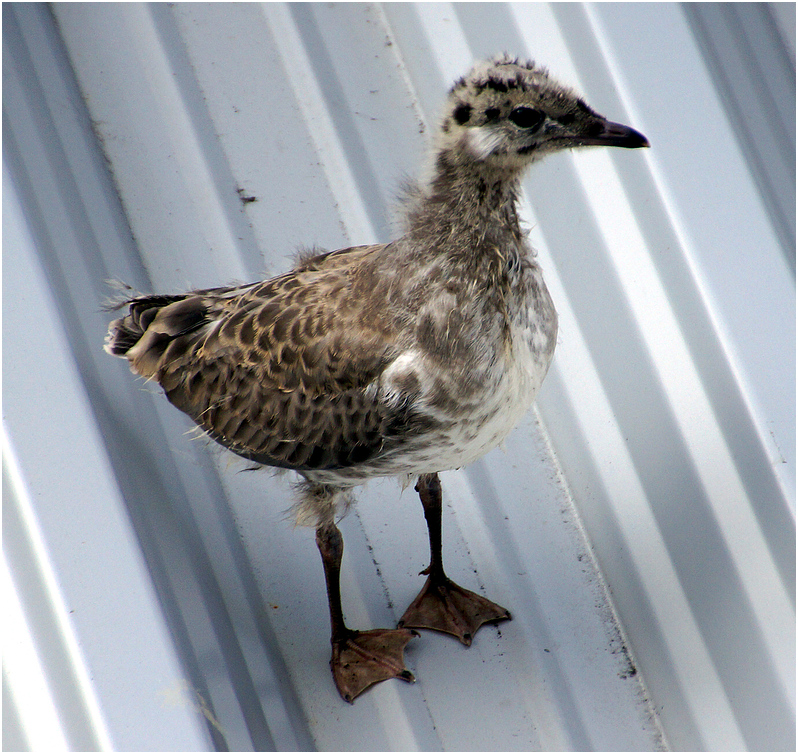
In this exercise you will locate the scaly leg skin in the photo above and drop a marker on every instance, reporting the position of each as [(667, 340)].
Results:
[(359, 658), (442, 605)]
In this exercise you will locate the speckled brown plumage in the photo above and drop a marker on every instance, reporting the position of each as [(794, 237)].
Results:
[(406, 358), (275, 371)]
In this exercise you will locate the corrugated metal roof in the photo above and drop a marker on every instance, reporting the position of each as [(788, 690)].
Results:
[(640, 524)]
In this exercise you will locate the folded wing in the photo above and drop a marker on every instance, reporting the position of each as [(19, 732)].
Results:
[(282, 372)]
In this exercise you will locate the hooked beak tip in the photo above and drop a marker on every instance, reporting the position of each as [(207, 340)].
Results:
[(617, 135)]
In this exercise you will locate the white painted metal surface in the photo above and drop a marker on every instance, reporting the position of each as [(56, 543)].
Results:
[(640, 524)]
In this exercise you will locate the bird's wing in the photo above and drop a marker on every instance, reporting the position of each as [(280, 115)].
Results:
[(279, 371)]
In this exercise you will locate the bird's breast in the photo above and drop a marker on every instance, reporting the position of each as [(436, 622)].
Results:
[(476, 396)]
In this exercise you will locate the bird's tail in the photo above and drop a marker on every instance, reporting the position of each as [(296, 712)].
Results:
[(151, 325), (126, 332)]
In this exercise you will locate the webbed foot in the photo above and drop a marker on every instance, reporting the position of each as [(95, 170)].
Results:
[(362, 658), (445, 606)]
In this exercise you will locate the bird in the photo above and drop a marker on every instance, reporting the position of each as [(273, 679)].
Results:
[(401, 359)]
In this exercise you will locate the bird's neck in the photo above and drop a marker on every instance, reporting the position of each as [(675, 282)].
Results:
[(466, 204)]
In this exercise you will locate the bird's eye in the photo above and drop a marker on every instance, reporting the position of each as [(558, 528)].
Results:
[(526, 117)]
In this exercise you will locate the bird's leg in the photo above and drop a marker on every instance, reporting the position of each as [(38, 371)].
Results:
[(359, 658), (442, 605)]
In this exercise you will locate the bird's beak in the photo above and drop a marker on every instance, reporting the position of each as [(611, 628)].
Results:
[(605, 133)]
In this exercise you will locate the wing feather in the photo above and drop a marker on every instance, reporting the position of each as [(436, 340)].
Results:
[(279, 371)]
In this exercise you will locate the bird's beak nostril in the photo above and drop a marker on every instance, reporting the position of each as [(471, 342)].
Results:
[(608, 134)]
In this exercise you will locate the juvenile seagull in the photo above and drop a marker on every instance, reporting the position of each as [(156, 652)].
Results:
[(407, 358)]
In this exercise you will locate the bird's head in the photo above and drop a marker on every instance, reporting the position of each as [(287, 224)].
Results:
[(507, 113)]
